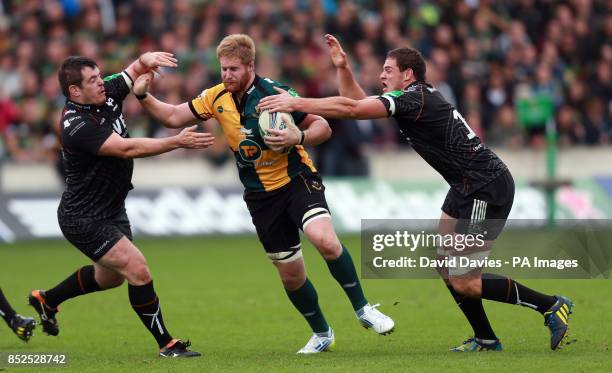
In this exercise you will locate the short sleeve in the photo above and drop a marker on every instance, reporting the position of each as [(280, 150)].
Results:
[(84, 135), (201, 106), (118, 86), (402, 104)]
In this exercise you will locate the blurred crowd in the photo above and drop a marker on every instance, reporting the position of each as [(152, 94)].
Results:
[(492, 59)]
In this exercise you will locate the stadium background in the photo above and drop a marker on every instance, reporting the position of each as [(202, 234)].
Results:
[(502, 63)]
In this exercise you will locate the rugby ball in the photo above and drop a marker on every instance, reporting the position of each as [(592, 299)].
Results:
[(278, 121)]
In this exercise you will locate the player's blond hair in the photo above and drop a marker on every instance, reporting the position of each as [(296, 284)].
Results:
[(237, 45)]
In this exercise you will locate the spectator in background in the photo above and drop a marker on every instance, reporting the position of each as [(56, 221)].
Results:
[(568, 126), (596, 126), (601, 83), (472, 98), (436, 77), (546, 84), (505, 131)]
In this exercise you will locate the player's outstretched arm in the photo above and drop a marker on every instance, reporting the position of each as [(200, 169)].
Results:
[(171, 116), (150, 61), (329, 107), (188, 138), (347, 84)]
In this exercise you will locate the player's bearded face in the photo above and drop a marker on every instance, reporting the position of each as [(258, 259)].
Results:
[(91, 89), (234, 74), (391, 78)]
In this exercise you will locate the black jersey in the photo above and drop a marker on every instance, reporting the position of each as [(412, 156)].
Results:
[(440, 135), (96, 186)]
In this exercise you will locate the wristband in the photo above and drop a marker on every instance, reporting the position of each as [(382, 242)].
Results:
[(141, 97), (302, 138)]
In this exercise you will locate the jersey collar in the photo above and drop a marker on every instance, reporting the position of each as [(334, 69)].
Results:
[(252, 87), (74, 105), (415, 83)]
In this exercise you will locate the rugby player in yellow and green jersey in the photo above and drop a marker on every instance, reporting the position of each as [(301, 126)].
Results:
[(260, 168), (284, 193)]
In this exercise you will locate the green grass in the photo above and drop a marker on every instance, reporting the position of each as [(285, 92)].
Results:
[(223, 294)]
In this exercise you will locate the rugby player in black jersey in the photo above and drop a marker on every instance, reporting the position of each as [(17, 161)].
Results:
[(481, 187), (97, 154)]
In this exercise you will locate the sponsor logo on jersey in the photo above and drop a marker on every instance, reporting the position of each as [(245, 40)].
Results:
[(265, 163), (249, 150), (69, 121)]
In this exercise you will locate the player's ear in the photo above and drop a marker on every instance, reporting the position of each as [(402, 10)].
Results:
[(251, 66), (408, 75), (74, 90)]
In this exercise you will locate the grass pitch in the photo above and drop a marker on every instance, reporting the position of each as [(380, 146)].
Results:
[(222, 293)]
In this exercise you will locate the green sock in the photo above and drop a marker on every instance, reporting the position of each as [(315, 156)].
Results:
[(343, 270), (306, 300)]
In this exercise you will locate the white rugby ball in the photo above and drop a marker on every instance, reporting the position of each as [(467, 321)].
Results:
[(278, 121)]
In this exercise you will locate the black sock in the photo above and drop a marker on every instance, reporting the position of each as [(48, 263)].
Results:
[(306, 300), (506, 290), (81, 282), (6, 311), (475, 314), (146, 304)]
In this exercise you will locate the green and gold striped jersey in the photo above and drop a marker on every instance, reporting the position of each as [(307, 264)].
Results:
[(260, 169)]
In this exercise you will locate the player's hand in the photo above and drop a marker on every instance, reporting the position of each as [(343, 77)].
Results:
[(280, 102), (142, 83), (279, 140), (337, 54), (155, 60), (189, 138)]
